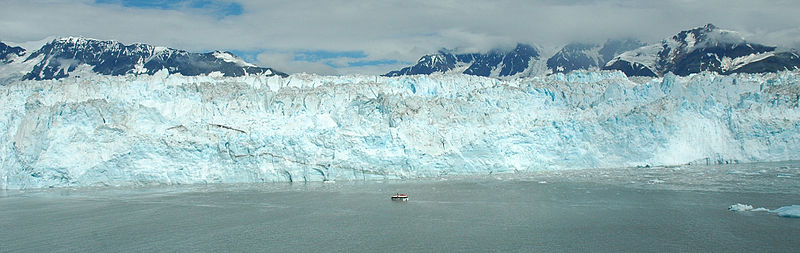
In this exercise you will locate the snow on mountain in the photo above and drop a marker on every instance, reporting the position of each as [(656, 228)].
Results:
[(9, 53), (229, 57), (584, 56), (166, 128), (12, 63), (433, 63), (519, 61), (522, 61), (706, 48), (64, 56)]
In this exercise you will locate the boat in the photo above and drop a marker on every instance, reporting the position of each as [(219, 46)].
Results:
[(400, 197)]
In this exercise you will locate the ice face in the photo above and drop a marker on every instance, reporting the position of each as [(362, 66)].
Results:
[(104, 130)]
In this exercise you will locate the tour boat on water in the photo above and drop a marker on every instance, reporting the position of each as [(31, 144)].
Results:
[(400, 197)]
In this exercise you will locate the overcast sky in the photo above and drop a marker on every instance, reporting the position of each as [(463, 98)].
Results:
[(341, 37)]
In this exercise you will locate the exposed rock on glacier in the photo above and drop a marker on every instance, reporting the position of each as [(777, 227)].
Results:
[(120, 130)]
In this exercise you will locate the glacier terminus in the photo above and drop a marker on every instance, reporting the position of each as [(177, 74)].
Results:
[(97, 130)]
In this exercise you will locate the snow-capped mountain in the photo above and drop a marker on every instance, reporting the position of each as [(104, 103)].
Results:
[(577, 56), (61, 57), (706, 48), (519, 61), (443, 61), (9, 53)]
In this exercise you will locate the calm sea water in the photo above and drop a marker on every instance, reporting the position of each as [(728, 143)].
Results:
[(632, 210)]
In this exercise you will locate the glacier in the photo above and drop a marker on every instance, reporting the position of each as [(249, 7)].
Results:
[(97, 130)]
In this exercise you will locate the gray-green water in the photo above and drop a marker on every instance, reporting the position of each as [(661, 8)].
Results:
[(638, 210)]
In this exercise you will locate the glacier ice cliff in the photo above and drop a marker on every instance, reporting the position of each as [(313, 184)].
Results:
[(99, 130)]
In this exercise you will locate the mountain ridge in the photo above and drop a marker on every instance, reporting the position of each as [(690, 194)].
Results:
[(494, 63), (705, 48), (63, 56)]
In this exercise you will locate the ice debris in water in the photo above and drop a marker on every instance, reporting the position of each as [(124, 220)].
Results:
[(740, 207), (792, 211), (744, 208)]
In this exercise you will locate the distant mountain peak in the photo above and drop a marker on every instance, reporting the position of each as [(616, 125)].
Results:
[(705, 48), (78, 40)]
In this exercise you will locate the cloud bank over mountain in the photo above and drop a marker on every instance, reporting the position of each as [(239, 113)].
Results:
[(388, 34)]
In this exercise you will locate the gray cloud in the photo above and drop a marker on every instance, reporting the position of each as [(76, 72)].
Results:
[(400, 30), (286, 62)]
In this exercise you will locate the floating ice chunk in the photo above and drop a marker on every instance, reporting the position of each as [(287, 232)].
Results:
[(740, 207), (736, 172), (744, 208), (792, 211)]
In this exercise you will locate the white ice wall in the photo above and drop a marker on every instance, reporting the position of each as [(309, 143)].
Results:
[(102, 130)]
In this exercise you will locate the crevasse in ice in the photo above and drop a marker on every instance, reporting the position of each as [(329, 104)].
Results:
[(172, 129)]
